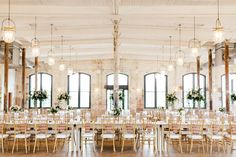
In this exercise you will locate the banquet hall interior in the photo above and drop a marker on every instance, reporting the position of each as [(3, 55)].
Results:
[(117, 78)]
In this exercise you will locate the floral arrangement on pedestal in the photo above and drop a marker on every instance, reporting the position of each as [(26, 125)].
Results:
[(116, 111), (195, 95), (53, 110), (63, 96), (39, 95), (180, 110), (171, 99), (233, 97), (15, 108)]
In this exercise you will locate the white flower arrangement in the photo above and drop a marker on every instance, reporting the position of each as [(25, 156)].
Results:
[(15, 108)]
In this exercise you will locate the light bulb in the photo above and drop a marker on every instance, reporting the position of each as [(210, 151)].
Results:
[(194, 51), (170, 67), (180, 61), (70, 71), (51, 61), (62, 67), (218, 35)]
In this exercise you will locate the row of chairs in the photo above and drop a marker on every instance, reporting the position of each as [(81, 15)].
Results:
[(40, 131), (216, 133)]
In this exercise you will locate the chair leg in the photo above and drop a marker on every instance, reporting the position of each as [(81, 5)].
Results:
[(55, 145), (134, 144), (46, 141), (94, 144), (180, 144), (191, 146), (114, 146), (35, 143), (203, 146), (122, 147), (25, 145), (102, 145), (82, 144), (13, 147), (2, 145)]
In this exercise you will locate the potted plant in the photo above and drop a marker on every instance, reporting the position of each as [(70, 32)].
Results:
[(171, 99), (195, 95)]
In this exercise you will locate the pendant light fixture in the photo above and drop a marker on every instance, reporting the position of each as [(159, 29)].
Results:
[(51, 60), (62, 66), (70, 69), (35, 42), (194, 44), (8, 27), (162, 68), (218, 30), (180, 53), (170, 65)]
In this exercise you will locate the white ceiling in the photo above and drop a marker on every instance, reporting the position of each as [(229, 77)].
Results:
[(145, 25)]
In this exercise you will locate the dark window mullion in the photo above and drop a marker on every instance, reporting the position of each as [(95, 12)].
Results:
[(79, 82), (155, 91)]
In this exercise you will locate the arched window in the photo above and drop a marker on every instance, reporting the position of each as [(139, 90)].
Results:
[(123, 87), (189, 83), (44, 83), (232, 86), (155, 90), (79, 88)]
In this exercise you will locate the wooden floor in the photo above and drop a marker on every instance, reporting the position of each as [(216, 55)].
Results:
[(147, 151)]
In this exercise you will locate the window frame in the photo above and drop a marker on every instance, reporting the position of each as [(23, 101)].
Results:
[(222, 88), (79, 82), (155, 83), (193, 81), (123, 87), (40, 74)]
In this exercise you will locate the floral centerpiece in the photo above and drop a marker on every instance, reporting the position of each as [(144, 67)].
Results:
[(39, 95), (233, 97), (53, 110), (116, 111), (15, 108), (180, 110), (222, 109), (171, 99), (63, 96), (195, 95)]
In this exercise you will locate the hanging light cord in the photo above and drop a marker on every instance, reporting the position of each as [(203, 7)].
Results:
[(62, 47), (9, 9), (51, 37), (170, 48), (194, 28), (218, 9), (179, 37), (35, 28)]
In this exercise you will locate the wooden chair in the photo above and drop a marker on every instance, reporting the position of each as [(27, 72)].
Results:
[(61, 132), (108, 132), (128, 133), (41, 133), (215, 135), (3, 135), (149, 133), (88, 134), (21, 133), (174, 133), (230, 138), (196, 133)]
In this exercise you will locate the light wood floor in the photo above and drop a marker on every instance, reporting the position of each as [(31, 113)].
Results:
[(147, 151)]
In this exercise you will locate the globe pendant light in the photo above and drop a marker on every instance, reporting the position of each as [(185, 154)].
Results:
[(51, 60), (170, 65), (70, 69), (218, 31), (8, 27), (194, 43), (62, 66), (35, 43), (180, 53)]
